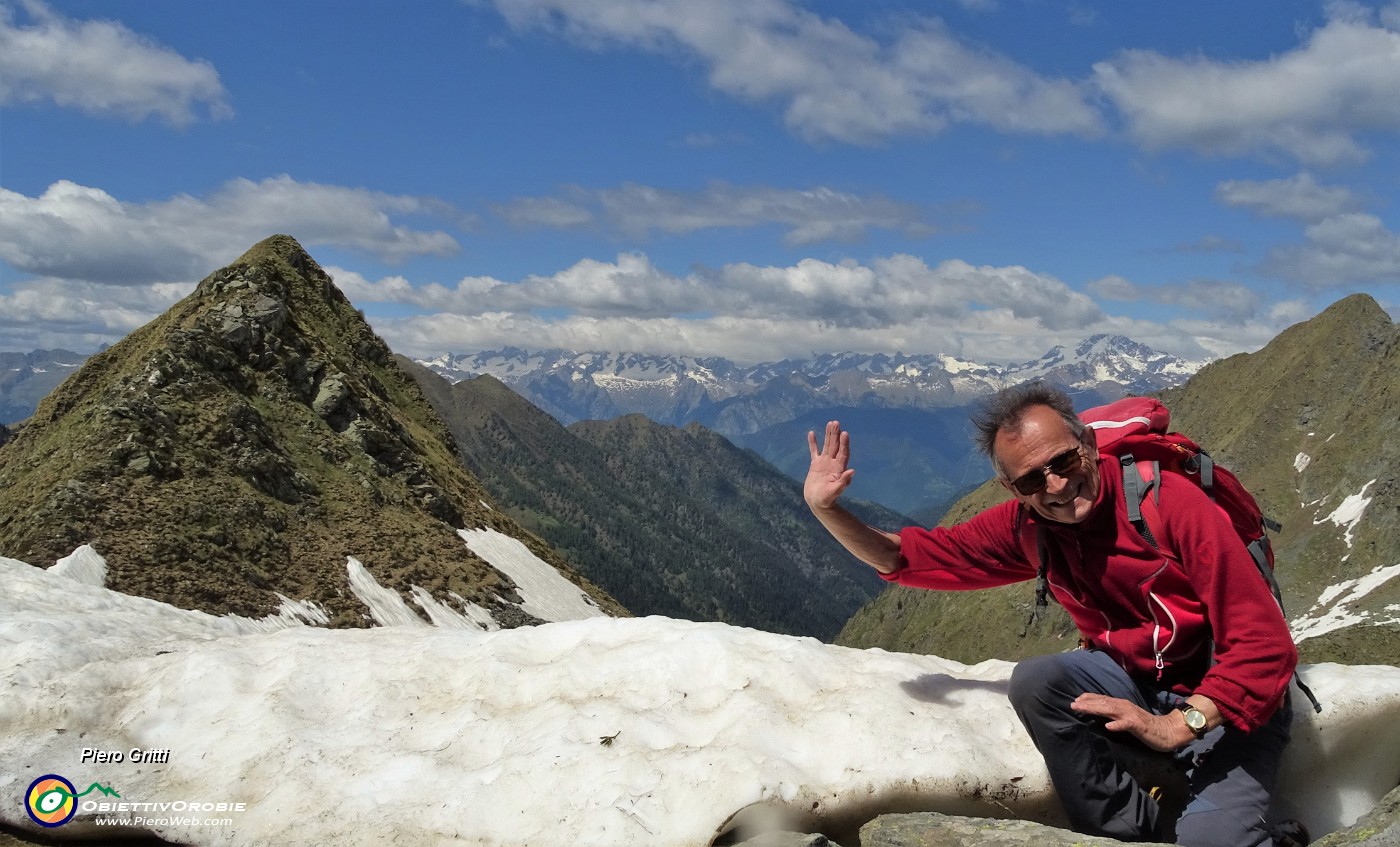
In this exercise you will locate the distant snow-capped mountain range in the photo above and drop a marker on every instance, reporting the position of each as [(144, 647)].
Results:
[(735, 399)]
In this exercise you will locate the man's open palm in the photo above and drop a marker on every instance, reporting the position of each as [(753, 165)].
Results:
[(828, 475)]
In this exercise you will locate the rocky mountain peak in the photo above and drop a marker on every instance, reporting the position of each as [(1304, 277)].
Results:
[(242, 447), (1105, 344)]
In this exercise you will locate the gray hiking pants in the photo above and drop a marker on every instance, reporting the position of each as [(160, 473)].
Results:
[(1228, 775)]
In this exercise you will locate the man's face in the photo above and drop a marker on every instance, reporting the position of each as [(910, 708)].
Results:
[(1045, 439)]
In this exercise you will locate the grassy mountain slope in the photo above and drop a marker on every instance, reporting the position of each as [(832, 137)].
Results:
[(676, 522), (1328, 390), (244, 444)]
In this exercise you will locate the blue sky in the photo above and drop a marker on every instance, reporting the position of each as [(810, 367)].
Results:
[(750, 178)]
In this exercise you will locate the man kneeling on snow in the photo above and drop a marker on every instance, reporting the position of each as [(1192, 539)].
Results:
[(1192, 659)]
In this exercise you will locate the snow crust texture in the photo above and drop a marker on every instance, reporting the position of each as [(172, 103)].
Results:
[(587, 732)]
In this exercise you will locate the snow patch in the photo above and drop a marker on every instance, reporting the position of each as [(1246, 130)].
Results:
[(472, 616), (545, 593), (385, 605), (595, 732), (1301, 462), (290, 613), (1349, 512), (1341, 615), (84, 565)]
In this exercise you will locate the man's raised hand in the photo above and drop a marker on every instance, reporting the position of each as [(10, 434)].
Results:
[(828, 476)]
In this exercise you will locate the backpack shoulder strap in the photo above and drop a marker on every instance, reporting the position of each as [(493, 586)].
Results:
[(1034, 543), (1139, 480), (1145, 516)]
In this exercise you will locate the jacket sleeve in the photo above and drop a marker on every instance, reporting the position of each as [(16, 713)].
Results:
[(1253, 649), (983, 552)]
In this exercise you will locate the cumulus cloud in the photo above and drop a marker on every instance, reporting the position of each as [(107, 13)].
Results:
[(1228, 300), (1341, 244), (1225, 337), (103, 68), (742, 311), (833, 83), (990, 335), (1310, 103), (78, 232), (44, 313), (811, 215), (1340, 250), (1299, 197), (886, 292)]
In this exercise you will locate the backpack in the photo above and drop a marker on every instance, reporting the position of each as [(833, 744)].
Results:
[(1134, 430)]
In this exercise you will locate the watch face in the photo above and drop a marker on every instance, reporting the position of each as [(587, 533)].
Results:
[(1195, 719)]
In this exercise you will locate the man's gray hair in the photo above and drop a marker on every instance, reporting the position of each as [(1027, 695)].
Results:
[(1003, 412)]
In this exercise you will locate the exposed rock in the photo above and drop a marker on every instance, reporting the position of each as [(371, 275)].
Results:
[(1378, 828), (331, 394), (930, 829)]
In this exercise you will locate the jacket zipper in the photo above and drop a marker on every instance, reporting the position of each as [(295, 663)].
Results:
[(1157, 649)]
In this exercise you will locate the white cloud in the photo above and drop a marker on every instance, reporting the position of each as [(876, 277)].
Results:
[(992, 335), (44, 313), (751, 313), (1310, 103), (102, 68), (811, 215), (1228, 300), (1350, 248), (1341, 245), (995, 334), (76, 232), (834, 83), (887, 292), (1299, 197)]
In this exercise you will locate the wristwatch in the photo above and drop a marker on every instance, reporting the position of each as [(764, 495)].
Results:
[(1195, 719)]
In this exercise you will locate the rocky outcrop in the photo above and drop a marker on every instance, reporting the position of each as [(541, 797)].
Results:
[(1378, 828), (930, 829)]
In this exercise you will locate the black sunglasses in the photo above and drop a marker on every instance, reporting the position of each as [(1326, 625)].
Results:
[(1033, 482)]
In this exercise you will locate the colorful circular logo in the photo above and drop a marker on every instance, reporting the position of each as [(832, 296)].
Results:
[(51, 800)]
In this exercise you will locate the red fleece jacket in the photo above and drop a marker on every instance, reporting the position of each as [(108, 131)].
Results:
[(1163, 615)]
